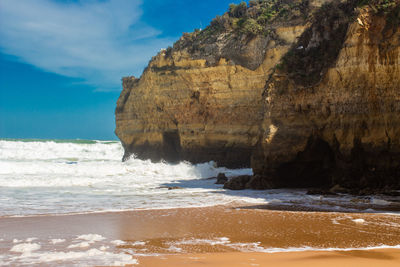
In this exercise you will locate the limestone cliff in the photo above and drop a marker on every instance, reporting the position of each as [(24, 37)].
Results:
[(332, 107), (309, 90), (201, 99)]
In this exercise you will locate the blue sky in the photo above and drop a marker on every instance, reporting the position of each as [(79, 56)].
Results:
[(61, 61)]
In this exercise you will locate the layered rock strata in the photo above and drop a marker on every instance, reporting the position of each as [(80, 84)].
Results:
[(201, 100), (337, 120), (311, 98)]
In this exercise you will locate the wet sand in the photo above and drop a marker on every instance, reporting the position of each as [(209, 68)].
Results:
[(213, 236), (371, 258)]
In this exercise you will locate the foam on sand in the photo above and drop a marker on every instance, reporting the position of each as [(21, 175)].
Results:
[(91, 238), (257, 247), (359, 221), (80, 245), (138, 243), (118, 242), (25, 247), (57, 241), (89, 257), (174, 249), (212, 242)]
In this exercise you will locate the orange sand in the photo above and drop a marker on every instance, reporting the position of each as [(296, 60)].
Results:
[(372, 258), (178, 231)]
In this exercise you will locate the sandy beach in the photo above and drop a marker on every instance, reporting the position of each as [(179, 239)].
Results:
[(371, 258), (200, 133), (213, 236), (76, 204)]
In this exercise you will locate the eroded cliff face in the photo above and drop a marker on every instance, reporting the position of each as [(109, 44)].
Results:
[(312, 97), (182, 109), (336, 122), (201, 100)]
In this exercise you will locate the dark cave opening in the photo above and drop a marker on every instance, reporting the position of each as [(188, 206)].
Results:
[(171, 146), (312, 167)]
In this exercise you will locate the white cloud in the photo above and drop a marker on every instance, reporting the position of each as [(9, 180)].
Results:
[(96, 40)]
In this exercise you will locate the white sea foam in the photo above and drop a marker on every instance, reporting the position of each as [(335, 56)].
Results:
[(91, 238), (48, 177), (334, 221), (212, 242), (174, 249), (300, 249), (138, 243), (57, 241), (80, 245), (193, 241), (257, 247), (118, 242), (76, 258), (76, 178), (359, 221), (25, 247)]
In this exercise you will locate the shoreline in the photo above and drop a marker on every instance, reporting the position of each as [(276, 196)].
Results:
[(208, 212), (381, 257), (217, 233), (239, 205)]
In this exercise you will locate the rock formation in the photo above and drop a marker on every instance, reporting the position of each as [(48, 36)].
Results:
[(201, 99), (308, 91), (332, 108)]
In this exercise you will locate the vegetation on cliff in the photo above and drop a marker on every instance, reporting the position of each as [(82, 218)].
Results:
[(227, 35), (256, 17), (346, 116), (253, 19), (380, 6), (317, 49), (307, 88)]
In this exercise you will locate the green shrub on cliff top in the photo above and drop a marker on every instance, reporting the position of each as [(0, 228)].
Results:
[(379, 5), (254, 17), (250, 19), (251, 26), (237, 11)]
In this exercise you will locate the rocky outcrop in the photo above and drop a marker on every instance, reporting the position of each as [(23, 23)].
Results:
[(221, 178), (201, 99), (308, 91), (332, 109)]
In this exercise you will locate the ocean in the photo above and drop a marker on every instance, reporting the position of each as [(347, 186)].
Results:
[(40, 177), (49, 182)]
